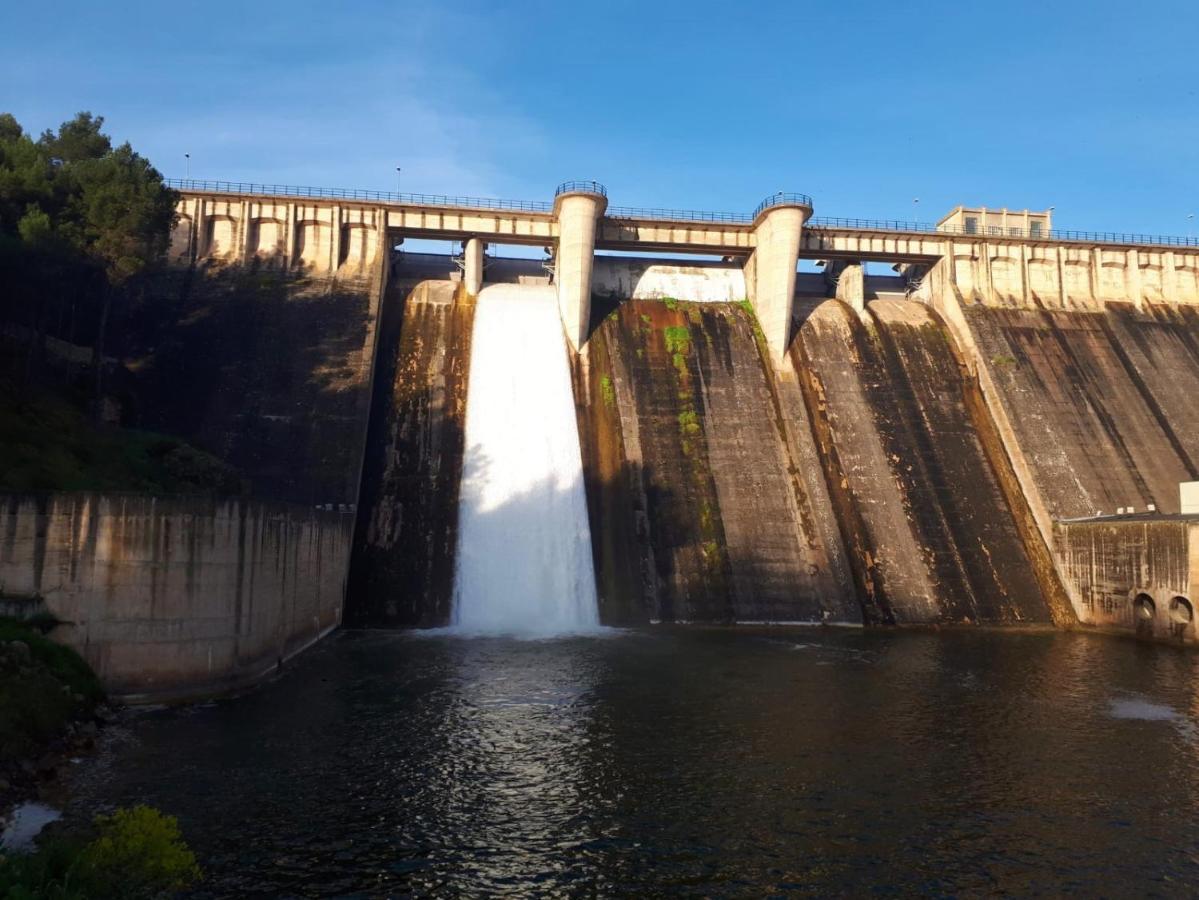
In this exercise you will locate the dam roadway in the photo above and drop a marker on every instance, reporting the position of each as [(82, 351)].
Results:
[(341, 231)]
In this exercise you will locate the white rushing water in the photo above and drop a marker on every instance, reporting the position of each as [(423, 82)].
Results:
[(524, 545)]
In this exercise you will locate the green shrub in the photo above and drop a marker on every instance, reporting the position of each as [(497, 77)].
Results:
[(139, 852), (134, 853)]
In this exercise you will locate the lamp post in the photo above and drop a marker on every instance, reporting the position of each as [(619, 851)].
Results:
[(397, 179), (188, 165), (1190, 230), (915, 209)]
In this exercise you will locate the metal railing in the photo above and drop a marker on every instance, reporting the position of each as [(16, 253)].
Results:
[(581, 187), (783, 199), (289, 190), (871, 224), (678, 215), (1046, 234)]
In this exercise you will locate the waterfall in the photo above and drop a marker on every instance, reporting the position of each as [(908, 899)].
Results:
[(524, 544)]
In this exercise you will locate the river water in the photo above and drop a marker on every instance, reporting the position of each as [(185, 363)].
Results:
[(670, 761)]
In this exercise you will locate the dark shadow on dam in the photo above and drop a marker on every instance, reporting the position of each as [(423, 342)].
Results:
[(266, 368), (402, 564)]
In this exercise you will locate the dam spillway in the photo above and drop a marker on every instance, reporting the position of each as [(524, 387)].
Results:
[(906, 457), (524, 560), (864, 479)]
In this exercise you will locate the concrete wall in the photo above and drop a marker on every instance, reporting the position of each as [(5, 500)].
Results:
[(636, 278), (320, 237), (923, 507), (705, 505), (404, 546), (1069, 276), (177, 597), (267, 368), (1109, 563)]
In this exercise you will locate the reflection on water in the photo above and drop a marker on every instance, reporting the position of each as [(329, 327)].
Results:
[(23, 824), (696, 762)]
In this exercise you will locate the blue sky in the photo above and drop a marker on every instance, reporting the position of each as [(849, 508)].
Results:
[(1090, 107)]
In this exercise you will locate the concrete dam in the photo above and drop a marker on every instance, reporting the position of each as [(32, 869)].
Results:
[(1000, 431)]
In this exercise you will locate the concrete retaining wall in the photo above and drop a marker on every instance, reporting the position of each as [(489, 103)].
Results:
[(181, 596)]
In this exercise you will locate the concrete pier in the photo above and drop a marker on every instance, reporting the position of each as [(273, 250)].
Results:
[(778, 232), (473, 257), (578, 205)]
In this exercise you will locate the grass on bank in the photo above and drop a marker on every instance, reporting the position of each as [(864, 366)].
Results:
[(51, 444)]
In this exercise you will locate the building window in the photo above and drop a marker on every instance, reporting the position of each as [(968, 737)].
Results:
[(971, 224), (1035, 229)]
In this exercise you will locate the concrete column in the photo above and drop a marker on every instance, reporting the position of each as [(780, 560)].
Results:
[(291, 236), (1025, 282), (193, 237), (777, 234), (472, 278), (851, 283), (200, 247), (577, 213), (1063, 293), (1132, 278), (988, 279), (1169, 278), (244, 248), (335, 239)]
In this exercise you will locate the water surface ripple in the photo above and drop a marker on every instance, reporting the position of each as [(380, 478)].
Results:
[(698, 762)]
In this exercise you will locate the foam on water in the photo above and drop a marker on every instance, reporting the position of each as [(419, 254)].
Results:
[(524, 563)]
